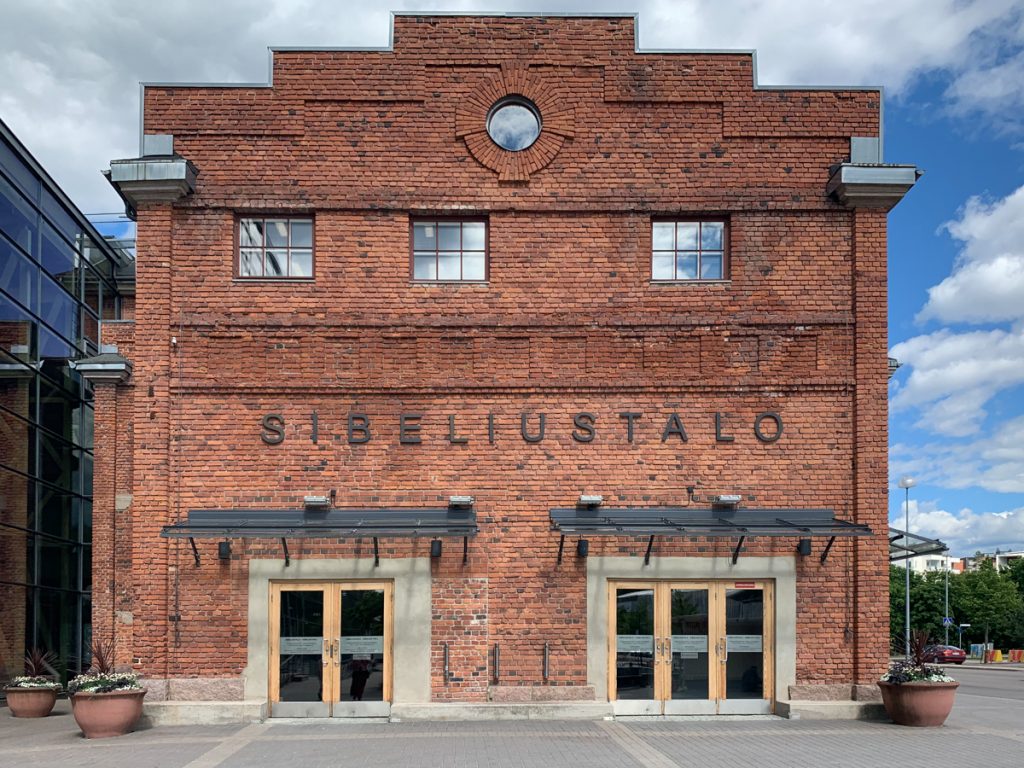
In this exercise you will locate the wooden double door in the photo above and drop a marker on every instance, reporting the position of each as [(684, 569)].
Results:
[(691, 647), (330, 648)]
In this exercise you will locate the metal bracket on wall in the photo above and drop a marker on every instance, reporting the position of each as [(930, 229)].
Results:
[(447, 671), (736, 552), (647, 554), (376, 552), (465, 549), (561, 546), (195, 552), (824, 554), (497, 663), (284, 546)]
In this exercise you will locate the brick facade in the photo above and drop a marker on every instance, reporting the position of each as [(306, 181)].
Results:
[(568, 322)]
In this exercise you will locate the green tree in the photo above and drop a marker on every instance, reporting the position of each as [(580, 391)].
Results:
[(991, 603)]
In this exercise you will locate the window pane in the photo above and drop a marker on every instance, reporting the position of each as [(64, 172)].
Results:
[(711, 266), (424, 236), (711, 236), (686, 234), (277, 263), (302, 264), (18, 219), (18, 275), (474, 235), (473, 266), (57, 257), (661, 267), (663, 236), (448, 236), (277, 232), (250, 232), (57, 309), (448, 267), (251, 264), (424, 267), (302, 233), (686, 266)]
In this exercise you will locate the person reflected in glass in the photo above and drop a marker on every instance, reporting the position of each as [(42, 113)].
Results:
[(360, 669)]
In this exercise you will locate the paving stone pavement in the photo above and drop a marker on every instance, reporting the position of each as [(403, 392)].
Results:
[(980, 732)]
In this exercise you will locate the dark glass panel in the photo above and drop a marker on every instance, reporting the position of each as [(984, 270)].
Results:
[(86, 418), (57, 627), (15, 433), (57, 412), (57, 309), (634, 641), (362, 645), (61, 381), (15, 328), (18, 276), (83, 467), (18, 172), (690, 671), (53, 347), (63, 221), (55, 513), (57, 462), (301, 650), (58, 258), (86, 566), (744, 629), (58, 563), (18, 219), (86, 514)]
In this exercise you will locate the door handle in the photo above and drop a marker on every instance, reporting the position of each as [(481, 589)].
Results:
[(327, 652)]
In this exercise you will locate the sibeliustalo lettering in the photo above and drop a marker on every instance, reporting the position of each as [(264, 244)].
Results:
[(531, 427)]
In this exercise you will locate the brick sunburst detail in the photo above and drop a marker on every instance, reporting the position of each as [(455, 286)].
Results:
[(557, 120)]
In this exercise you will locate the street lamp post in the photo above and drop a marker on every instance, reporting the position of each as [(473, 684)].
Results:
[(906, 483), (945, 616)]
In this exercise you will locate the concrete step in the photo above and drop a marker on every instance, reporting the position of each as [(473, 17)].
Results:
[(831, 710), (533, 710), (203, 712)]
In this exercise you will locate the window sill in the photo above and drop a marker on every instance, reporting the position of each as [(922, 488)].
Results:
[(690, 282), (449, 282), (245, 280)]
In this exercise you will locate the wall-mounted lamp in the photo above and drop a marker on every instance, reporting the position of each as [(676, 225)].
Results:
[(435, 548), (316, 502), (590, 500), (582, 548), (726, 500), (460, 501), (803, 547), (224, 550)]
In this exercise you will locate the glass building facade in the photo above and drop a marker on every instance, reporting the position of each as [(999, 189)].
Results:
[(57, 284)]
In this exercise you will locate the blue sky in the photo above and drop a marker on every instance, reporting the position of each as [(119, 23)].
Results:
[(953, 71)]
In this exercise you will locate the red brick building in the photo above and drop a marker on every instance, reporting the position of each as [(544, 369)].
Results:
[(509, 363)]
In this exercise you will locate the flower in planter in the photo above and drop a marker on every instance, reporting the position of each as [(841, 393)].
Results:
[(102, 677), (33, 681), (914, 669)]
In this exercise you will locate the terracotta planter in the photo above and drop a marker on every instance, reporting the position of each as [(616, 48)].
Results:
[(100, 715), (31, 702), (918, 704)]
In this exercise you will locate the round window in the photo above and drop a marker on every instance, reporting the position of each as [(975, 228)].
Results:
[(513, 123)]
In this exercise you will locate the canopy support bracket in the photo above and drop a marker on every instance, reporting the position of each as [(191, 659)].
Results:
[(465, 549), (195, 552), (287, 557), (376, 553), (824, 554), (736, 552), (647, 554), (561, 546)]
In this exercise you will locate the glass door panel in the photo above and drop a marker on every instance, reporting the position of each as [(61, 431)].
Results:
[(301, 654), (363, 662), (690, 678), (743, 651), (635, 650)]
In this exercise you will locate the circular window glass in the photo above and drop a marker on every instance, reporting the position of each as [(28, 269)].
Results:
[(513, 124)]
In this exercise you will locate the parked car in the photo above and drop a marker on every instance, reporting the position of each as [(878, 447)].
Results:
[(944, 654)]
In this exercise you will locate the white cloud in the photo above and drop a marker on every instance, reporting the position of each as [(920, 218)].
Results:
[(987, 283), (965, 531), (70, 73), (993, 462), (953, 375)]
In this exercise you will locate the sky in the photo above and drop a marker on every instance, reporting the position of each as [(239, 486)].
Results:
[(953, 74)]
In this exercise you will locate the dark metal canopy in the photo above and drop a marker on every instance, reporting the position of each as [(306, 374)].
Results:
[(903, 545), (696, 522), (283, 524)]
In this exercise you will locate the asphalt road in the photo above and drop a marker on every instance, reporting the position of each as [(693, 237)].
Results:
[(1006, 683)]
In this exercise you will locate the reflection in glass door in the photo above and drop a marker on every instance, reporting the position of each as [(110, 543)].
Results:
[(691, 647), (634, 649), (330, 649)]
